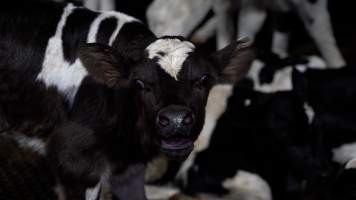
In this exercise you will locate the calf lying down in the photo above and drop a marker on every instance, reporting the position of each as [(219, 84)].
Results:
[(128, 95)]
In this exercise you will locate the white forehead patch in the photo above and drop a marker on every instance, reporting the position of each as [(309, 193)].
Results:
[(171, 53)]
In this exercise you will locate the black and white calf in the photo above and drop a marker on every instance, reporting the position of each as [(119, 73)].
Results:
[(284, 109), (267, 135), (331, 115), (129, 94), (307, 130), (334, 114)]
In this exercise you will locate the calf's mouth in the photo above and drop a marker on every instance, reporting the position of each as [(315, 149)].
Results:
[(177, 146)]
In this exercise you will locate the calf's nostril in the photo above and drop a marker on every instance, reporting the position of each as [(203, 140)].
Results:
[(188, 119), (163, 121)]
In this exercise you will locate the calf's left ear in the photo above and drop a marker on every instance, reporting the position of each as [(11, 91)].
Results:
[(234, 60), (101, 64)]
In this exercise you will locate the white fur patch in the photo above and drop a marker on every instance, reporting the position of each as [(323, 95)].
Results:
[(175, 53), (215, 107), (58, 189), (248, 185), (34, 144), (309, 111), (121, 19), (280, 43), (282, 79), (344, 153), (315, 62), (351, 164), (94, 27), (247, 102), (92, 193), (160, 192), (56, 71)]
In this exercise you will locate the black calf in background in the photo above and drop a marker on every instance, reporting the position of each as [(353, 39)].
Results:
[(260, 129), (267, 134), (332, 94), (340, 185)]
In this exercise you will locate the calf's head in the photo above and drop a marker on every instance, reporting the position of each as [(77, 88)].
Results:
[(170, 82)]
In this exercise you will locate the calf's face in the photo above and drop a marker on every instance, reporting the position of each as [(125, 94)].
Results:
[(170, 83)]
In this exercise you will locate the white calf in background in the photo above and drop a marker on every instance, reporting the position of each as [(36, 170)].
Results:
[(314, 15)]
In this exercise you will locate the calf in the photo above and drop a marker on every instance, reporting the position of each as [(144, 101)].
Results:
[(268, 74), (334, 114), (267, 134), (339, 186), (331, 115), (322, 131), (30, 108), (129, 94)]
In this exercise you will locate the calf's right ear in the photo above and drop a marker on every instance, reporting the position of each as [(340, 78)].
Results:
[(102, 65)]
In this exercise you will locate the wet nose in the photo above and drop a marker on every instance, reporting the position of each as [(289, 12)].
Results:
[(175, 118)]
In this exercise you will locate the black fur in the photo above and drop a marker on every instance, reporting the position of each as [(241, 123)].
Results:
[(75, 32), (106, 28), (112, 123), (313, 1), (23, 44), (29, 107), (273, 138), (270, 137)]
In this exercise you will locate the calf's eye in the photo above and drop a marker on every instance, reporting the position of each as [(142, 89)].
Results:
[(142, 86), (139, 84), (203, 81)]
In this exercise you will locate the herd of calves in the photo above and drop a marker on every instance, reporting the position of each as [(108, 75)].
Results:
[(285, 131), (88, 99), (296, 132)]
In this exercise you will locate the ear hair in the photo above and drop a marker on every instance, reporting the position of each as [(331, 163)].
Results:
[(234, 60), (101, 63)]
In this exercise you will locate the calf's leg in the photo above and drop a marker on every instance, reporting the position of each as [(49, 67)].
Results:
[(77, 161), (129, 185), (316, 19), (251, 18)]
